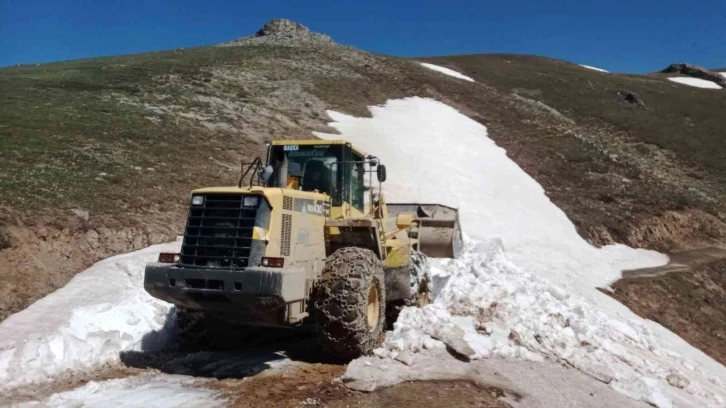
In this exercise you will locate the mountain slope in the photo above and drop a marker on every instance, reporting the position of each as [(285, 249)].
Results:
[(122, 140)]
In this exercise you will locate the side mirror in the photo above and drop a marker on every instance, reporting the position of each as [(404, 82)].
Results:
[(266, 173), (381, 173)]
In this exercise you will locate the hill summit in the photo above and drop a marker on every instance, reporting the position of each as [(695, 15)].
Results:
[(285, 32)]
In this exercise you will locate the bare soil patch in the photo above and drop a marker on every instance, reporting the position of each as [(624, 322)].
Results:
[(316, 386)]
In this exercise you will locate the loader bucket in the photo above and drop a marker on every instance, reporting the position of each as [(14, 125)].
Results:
[(439, 233)]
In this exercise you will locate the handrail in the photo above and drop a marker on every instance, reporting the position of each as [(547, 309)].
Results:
[(256, 165)]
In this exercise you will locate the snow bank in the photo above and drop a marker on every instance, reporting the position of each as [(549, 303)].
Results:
[(525, 287), (99, 313), (594, 68), (723, 74), (164, 391), (494, 308), (447, 71), (697, 82)]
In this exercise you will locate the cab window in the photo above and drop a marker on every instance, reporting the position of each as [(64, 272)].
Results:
[(307, 168), (357, 187)]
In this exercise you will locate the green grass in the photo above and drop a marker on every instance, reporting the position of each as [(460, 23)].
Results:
[(60, 127)]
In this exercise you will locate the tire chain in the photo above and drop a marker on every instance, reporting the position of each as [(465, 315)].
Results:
[(340, 303)]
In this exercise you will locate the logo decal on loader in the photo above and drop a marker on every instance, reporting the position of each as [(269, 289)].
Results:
[(315, 207)]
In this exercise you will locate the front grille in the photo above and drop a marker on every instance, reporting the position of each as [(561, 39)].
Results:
[(219, 233)]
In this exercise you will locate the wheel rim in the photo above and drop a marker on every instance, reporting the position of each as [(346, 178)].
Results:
[(374, 308)]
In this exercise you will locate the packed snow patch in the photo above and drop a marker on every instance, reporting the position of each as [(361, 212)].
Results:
[(525, 287), (447, 71), (697, 82), (102, 311), (159, 391), (523, 383), (594, 68)]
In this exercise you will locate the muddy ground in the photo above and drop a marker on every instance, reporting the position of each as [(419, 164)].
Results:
[(317, 386), (274, 368)]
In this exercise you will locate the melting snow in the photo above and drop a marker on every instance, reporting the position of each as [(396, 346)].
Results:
[(102, 311), (164, 391), (447, 71), (697, 82), (526, 285), (594, 68)]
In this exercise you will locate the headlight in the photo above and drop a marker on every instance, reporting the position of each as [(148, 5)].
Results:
[(197, 200), (250, 201)]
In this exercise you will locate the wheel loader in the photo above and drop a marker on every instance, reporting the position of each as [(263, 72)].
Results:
[(304, 240)]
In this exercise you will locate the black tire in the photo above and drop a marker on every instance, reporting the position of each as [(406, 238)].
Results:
[(347, 328), (193, 329)]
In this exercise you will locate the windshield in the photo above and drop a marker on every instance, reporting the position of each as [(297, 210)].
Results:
[(306, 167)]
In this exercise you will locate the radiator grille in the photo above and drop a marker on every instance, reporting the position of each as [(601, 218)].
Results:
[(219, 233), (285, 234), (287, 203)]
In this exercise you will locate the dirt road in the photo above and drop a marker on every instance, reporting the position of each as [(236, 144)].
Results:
[(687, 296), (684, 261)]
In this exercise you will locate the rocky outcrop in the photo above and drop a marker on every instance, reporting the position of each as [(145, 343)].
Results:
[(538, 108), (669, 232), (632, 98), (284, 32), (696, 72)]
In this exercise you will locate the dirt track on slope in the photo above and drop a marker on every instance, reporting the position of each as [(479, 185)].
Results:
[(688, 296)]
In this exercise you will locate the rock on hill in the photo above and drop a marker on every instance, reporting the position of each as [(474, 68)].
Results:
[(696, 72), (122, 140), (284, 32)]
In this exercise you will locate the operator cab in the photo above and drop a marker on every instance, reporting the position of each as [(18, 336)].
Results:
[(334, 168)]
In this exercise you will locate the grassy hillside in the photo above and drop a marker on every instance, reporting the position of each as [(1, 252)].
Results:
[(125, 139)]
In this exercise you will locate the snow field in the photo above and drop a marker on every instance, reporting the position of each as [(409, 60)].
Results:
[(525, 287), (102, 311), (435, 154), (697, 82), (447, 71), (594, 68)]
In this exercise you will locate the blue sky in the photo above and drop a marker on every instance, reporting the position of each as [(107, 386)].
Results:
[(621, 36)]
